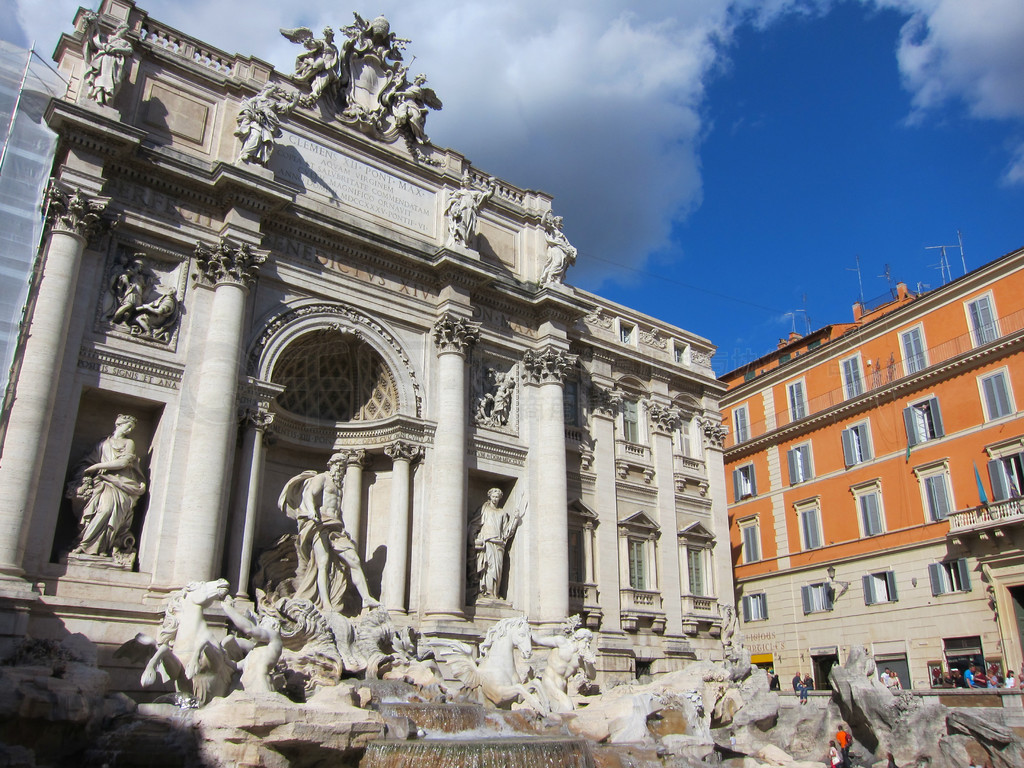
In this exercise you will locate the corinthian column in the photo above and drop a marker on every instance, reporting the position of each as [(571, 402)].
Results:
[(256, 423), (546, 370), (444, 595), (72, 218), (230, 270), (663, 422), (604, 406), (352, 499), (396, 570)]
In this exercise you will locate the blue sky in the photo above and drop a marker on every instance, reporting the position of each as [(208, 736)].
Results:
[(719, 163)]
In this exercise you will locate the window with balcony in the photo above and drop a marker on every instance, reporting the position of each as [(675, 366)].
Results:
[(695, 571), (637, 563), (744, 484), (817, 598), (856, 444), (879, 588), (868, 498), (995, 389), (853, 381), (913, 350), (751, 540), (754, 607), (923, 421), (799, 459), (630, 420), (809, 514), (797, 400), (1006, 474), (949, 576), (688, 438), (983, 320), (741, 423), (577, 571), (571, 403)]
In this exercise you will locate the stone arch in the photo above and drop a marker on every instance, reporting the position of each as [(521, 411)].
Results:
[(286, 333)]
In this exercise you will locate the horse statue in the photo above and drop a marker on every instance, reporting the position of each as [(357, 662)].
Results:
[(494, 677), (185, 650)]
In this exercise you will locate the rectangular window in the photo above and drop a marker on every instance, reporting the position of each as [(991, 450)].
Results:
[(870, 513), (695, 570), (744, 484), (856, 448), (576, 556), (751, 541), (913, 351), (923, 421), (810, 526), (936, 494), (571, 404), (630, 421), (949, 576), (1007, 476), (983, 320), (797, 401), (679, 352), (853, 383), (879, 588), (741, 424), (816, 597), (799, 464), (997, 395), (755, 607), (626, 333), (637, 566)]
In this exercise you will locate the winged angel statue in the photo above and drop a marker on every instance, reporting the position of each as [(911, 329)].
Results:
[(364, 82)]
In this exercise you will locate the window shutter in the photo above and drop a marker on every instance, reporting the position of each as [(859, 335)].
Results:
[(736, 491), (909, 423), (849, 454), (997, 475), (805, 595), (792, 458), (829, 596), (869, 592), (890, 580), (965, 574), (937, 417), (935, 575), (753, 481), (746, 608), (865, 446)]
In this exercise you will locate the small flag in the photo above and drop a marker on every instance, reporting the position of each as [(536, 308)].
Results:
[(908, 451), (982, 496)]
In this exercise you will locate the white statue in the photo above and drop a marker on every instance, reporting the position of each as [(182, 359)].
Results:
[(154, 319), (262, 648), (495, 408), (571, 656), (412, 103), (561, 254), (318, 67), (259, 122), (326, 553), (105, 59), (185, 650), (495, 677), (111, 482), (462, 209), (492, 527)]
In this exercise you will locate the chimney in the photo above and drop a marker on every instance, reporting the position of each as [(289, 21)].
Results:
[(901, 291), (794, 336), (858, 311)]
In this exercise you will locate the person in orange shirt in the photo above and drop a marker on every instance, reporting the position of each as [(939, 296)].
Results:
[(844, 739)]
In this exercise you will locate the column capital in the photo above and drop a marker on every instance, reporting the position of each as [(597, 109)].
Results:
[(72, 212), (351, 457), (401, 451), (664, 418), (714, 432), (454, 334), (604, 401), (229, 264), (550, 366), (259, 419)]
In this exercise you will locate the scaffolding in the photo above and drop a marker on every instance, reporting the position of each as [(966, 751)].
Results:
[(27, 147)]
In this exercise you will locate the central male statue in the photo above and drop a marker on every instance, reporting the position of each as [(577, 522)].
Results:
[(327, 554)]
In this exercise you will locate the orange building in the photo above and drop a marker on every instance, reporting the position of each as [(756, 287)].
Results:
[(876, 470)]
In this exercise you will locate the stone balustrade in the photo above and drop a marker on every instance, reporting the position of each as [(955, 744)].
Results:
[(987, 515)]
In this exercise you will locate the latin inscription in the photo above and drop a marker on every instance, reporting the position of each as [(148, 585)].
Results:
[(348, 182)]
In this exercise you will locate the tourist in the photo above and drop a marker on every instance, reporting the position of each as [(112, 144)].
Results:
[(843, 740), (773, 681), (969, 676), (806, 684), (980, 678), (834, 759), (885, 679), (797, 679), (1011, 681)]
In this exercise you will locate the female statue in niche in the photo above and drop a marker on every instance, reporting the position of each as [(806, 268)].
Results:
[(111, 482)]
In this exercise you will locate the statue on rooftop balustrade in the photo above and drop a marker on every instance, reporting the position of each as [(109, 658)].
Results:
[(106, 59)]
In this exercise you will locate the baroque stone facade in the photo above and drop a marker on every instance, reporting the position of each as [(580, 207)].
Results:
[(314, 300)]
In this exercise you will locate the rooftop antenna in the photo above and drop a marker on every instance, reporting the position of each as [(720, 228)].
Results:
[(943, 264), (942, 248), (888, 278), (860, 282)]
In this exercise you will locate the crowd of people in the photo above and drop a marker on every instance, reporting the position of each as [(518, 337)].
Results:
[(974, 676)]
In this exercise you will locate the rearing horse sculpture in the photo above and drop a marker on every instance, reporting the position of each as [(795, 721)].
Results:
[(494, 677)]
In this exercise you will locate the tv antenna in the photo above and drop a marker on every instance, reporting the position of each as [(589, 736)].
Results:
[(888, 279), (860, 283), (943, 260)]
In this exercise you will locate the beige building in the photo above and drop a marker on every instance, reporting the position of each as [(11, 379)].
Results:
[(358, 295)]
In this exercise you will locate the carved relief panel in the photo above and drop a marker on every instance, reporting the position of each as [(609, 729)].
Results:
[(495, 383), (142, 297)]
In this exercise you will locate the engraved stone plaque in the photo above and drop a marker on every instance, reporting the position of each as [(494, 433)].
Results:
[(348, 182)]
